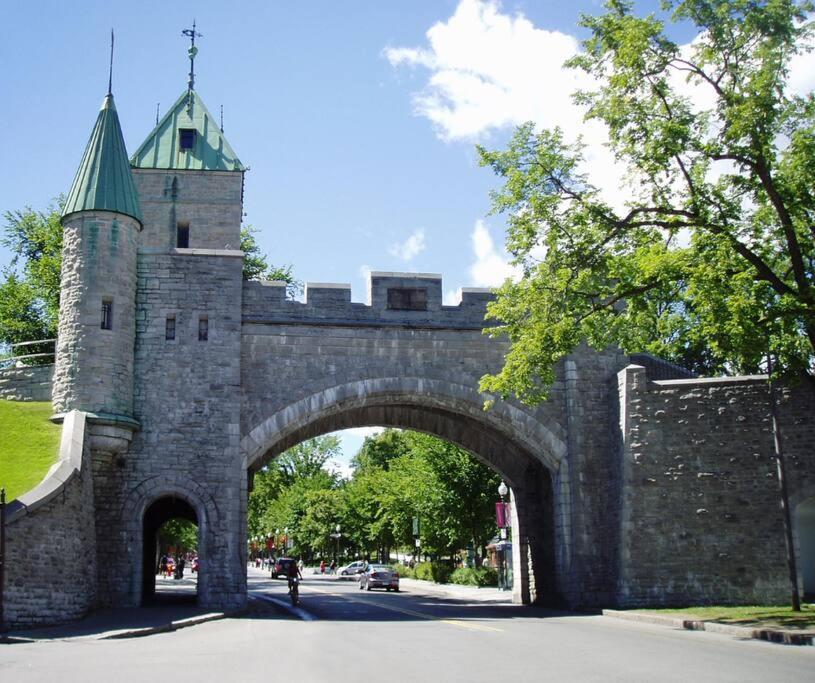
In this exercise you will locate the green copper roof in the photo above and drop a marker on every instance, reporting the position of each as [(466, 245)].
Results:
[(209, 152), (103, 180)]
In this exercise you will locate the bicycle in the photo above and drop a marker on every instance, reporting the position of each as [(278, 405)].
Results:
[(294, 591)]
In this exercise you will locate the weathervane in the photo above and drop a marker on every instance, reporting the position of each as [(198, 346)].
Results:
[(192, 34)]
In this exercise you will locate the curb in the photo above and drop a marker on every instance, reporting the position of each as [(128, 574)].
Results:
[(166, 628), (770, 635)]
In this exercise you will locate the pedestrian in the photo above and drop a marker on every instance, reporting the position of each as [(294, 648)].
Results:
[(333, 567), (322, 566)]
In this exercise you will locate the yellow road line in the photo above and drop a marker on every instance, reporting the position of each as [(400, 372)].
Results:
[(412, 613)]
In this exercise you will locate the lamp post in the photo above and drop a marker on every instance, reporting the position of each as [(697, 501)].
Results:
[(337, 556), (502, 578)]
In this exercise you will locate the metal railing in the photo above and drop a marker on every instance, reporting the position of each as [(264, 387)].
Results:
[(44, 351)]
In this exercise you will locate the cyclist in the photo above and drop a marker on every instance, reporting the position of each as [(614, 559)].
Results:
[(292, 572)]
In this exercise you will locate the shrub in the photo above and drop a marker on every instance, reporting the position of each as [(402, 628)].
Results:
[(480, 576), (405, 571)]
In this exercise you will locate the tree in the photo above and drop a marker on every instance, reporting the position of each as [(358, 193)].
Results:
[(711, 262), (292, 493), (29, 292), (256, 266), (400, 475), (179, 534)]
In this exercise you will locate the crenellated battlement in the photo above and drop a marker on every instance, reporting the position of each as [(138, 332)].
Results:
[(397, 299)]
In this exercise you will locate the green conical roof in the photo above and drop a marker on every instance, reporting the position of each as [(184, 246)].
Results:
[(104, 181), (209, 149)]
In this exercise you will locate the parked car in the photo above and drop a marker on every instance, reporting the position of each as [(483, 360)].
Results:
[(352, 570), (281, 566), (379, 576)]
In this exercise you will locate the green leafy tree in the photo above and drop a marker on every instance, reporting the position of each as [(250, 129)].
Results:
[(179, 534), (29, 292), (256, 265), (379, 450), (286, 494), (711, 263)]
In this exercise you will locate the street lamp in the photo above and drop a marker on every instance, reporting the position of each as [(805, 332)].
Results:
[(337, 556), (502, 578)]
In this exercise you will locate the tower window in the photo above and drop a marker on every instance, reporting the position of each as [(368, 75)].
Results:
[(169, 327), (107, 314), (186, 138), (203, 329), (182, 235)]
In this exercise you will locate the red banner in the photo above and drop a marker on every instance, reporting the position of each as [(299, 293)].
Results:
[(502, 515)]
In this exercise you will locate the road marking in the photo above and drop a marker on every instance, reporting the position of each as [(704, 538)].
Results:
[(297, 611), (412, 613)]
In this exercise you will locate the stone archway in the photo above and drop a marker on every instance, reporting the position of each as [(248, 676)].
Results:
[(157, 513), (193, 500), (523, 450)]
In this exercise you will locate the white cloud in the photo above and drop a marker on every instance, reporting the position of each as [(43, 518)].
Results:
[(491, 266), (411, 247), (491, 70), (365, 274), (451, 297), (362, 432)]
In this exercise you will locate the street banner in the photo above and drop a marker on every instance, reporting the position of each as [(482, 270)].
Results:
[(502, 515)]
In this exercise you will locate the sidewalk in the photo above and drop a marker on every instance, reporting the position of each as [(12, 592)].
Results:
[(773, 635), (106, 624), (457, 592), (175, 609)]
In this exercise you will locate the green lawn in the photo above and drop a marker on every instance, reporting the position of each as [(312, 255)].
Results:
[(749, 615), (29, 445)]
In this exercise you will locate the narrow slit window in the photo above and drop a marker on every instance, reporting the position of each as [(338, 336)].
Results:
[(169, 327), (107, 314), (186, 138), (203, 329), (182, 235)]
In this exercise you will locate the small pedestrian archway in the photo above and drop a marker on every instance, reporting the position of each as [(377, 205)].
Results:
[(509, 441), (162, 510)]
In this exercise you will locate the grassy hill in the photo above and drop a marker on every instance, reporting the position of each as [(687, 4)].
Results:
[(29, 445)]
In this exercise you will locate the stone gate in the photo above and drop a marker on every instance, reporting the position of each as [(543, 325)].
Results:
[(175, 379)]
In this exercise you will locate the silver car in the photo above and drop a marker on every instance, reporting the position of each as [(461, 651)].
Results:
[(379, 576), (351, 570)]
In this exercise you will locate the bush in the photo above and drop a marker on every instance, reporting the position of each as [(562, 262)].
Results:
[(405, 571), (480, 576)]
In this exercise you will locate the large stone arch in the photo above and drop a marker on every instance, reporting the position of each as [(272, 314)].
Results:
[(541, 439), (526, 451), (132, 512)]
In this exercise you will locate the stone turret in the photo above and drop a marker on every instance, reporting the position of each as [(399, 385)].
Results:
[(101, 222)]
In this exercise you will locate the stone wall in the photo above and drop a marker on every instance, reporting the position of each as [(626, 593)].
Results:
[(94, 366), (700, 505), (26, 383), (209, 202), (187, 402), (51, 539)]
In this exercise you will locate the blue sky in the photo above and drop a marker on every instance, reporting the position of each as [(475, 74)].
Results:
[(358, 120)]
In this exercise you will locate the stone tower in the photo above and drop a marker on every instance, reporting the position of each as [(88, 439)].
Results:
[(101, 222)]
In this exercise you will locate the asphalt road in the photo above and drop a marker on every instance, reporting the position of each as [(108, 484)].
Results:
[(352, 635)]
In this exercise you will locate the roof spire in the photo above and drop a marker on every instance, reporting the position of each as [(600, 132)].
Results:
[(110, 73), (192, 51)]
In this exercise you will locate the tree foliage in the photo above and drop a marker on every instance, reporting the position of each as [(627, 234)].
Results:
[(398, 475), (711, 261), (29, 292), (256, 265)]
